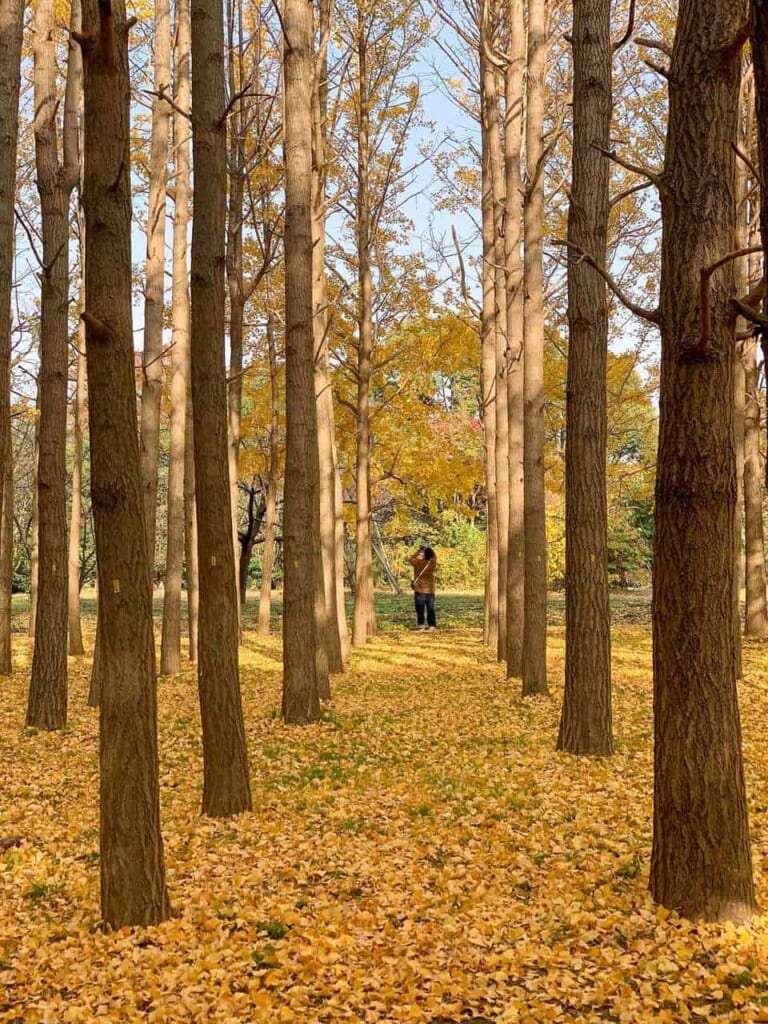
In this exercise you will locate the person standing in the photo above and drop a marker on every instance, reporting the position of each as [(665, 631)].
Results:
[(424, 563)]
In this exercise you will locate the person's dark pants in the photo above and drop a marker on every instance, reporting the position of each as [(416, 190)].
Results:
[(425, 601)]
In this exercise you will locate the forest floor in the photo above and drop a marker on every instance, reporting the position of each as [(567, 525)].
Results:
[(421, 855)]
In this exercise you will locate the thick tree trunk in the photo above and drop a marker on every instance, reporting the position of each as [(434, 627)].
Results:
[(305, 665), (11, 31), (226, 786), (701, 863), (513, 128), (273, 480), (6, 572), (336, 625), (47, 707), (585, 724), (154, 290), (535, 617), (190, 533), (364, 617), (170, 648), (133, 888), (757, 607), (76, 646)]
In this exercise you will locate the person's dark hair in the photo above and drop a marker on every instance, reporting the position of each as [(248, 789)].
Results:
[(429, 554)]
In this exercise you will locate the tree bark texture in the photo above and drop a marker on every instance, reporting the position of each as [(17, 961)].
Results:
[(170, 647), (133, 890), (6, 573), (759, 47), (303, 654), (535, 617), (226, 786), (11, 31), (154, 288), (364, 618), (76, 646), (47, 707), (701, 863), (585, 724), (190, 532), (513, 129)]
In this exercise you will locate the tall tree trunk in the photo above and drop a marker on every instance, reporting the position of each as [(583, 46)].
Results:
[(757, 607), (6, 572), (488, 379), (535, 617), (133, 888), (336, 625), (701, 863), (585, 724), (47, 707), (303, 654), (759, 47), (76, 515), (226, 787), (170, 648), (34, 551), (364, 618), (513, 129), (273, 480), (739, 406), (236, 172), (154, 293), (190, 532), (492, 142), (11, 32)]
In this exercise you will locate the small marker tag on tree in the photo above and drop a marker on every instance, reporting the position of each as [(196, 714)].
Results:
[(116, 586), (213, 560)]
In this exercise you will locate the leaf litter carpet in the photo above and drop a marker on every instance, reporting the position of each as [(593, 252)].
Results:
[(421, 855)]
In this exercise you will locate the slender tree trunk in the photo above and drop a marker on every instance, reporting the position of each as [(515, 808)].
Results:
[(170, 648), (759, 47), (303, 654), (701, 863), (336, 625), (154, 292), (585, 725), (190, 533), (364, 619), (273, 479), (76, 515), (488, 389), (513, 136), (47, 707), (535, 617), (6, 572), (226, 786), (34, 551), (739, 405), (757, 607), (133, 888), (236, 172), (11, 32), (492, 144)]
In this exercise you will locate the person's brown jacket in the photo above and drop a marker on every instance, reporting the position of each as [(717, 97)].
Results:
[(423, 574)]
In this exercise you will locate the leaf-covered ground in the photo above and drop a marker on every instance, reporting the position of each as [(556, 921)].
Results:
[(423, 855)]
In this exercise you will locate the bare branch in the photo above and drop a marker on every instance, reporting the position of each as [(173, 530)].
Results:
[(700, 349), (653, 44), (650, 315), (621, 43), (646, 172)]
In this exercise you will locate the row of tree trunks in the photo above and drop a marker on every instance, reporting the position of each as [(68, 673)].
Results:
[(47, 708), (154, 288), (585, 725), (304, 663), (133, 887), (170, 648), (701, 862), (11, 32), (226, 786)]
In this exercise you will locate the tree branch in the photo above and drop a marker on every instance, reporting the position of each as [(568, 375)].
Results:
[(651, 315), (646, 172), (621, 43), (702, 346)]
